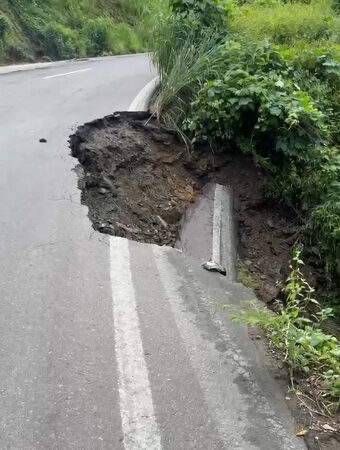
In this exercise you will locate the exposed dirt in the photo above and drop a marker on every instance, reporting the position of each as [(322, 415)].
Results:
[(266, 230), (134, 182), (138, 180)]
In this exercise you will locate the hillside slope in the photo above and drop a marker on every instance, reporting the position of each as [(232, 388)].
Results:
[(60, 29)]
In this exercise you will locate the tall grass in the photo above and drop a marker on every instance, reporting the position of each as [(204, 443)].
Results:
[(292, 23), (184, 59)]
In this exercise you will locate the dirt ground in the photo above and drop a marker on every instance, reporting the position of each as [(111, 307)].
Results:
[(134, 182), (138, 179)]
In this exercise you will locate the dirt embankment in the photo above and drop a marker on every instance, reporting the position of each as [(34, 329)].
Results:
[(134, 182)]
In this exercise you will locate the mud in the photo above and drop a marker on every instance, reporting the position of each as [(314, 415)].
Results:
[(134, 182)]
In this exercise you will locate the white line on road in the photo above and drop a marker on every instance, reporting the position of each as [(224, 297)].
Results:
[(136, 408), (67, 73)]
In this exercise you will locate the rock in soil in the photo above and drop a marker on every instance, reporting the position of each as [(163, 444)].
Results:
[(213, 266)]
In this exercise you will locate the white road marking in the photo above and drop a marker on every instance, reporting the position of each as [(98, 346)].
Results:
[(140, 428), (216, 241), (66, 73)]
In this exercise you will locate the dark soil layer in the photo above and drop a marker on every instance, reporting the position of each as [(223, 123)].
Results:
[(266, 230), (134, 182), (137, 181)]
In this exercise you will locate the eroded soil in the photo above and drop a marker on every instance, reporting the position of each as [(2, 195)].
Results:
[(134, 182)]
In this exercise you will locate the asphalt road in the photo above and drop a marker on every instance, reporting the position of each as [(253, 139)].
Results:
[(105, 343)]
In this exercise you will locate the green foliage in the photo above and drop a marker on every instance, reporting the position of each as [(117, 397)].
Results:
[(209, 13), (318, 72), (298, 333), (288, 22), (3, 26), (184, 59), (336, 5), (98, 33), (62, 29), (254, 101), (61, 42)]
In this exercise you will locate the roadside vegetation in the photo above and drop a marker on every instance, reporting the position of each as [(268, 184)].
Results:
[(296, 330), (61, 29), (262, 77)]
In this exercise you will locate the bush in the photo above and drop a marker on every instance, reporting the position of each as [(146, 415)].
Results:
[(68, 28), (3, 26), (105, 36), (209, 13), (125, 39), (98, 34), (184, 58), (61, 42), (254, 101)]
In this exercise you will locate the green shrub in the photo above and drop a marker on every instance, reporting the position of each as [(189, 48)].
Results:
[(98, 34), (61, 42), (320, 194), (3, 26), (254, 101), (336, 5), (321, 64), (209, 13), (67, 28), (314, 186), (125, 39), (184, 59)]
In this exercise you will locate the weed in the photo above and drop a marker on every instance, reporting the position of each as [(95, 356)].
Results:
[(245, 276), (297, 332)]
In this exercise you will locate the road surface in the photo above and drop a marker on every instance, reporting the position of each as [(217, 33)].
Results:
[(105, 343)]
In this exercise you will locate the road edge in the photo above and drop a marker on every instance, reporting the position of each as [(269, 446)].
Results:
[(142, 99)]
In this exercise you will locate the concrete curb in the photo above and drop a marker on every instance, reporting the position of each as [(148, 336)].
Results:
[(142, 100)]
